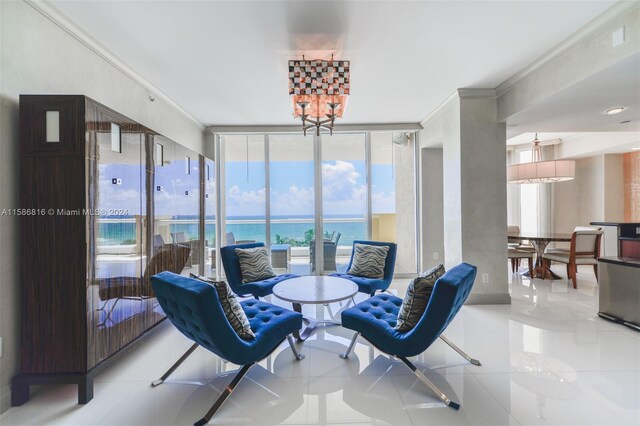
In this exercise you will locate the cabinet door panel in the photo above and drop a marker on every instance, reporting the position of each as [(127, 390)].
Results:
[(121, 304)]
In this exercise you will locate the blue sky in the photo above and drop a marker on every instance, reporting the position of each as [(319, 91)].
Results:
[(292, 193), (344, 188)]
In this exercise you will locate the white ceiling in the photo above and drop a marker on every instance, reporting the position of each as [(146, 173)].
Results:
[(580, 107), (225, 62)]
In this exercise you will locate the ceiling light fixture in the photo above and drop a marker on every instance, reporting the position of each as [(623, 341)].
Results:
[(319, 90), (635, 148), (540, 171), (615, 110)]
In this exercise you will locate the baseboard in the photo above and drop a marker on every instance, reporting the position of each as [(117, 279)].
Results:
[(489, 299)]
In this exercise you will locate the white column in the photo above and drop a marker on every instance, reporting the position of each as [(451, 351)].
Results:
[(474, 189)]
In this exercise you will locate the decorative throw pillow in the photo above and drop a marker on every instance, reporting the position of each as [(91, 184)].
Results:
[(255, 264), (417, 298), (231, 308), (368, 261)]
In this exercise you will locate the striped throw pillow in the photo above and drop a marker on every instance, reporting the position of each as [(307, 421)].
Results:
[(368, 261), (231, 308), (417, 298), (255, 264)]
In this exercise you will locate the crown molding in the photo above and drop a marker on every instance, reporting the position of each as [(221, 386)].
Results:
[(618, 9), (291, 128), (439, 107), (462, 93), (52, 14)]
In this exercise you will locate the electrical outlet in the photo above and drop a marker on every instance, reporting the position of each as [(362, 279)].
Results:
[(435, 255), (485, 277)]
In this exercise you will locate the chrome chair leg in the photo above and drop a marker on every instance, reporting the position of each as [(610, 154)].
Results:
[(174, 366), (297, 354), (345, 355), (223, 397), (460, 351), (444, 398)]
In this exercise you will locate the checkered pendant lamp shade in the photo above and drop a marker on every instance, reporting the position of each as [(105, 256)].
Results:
[(318, 83)]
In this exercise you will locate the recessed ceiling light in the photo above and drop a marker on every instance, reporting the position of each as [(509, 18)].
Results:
[(615, 110), (635, 148)]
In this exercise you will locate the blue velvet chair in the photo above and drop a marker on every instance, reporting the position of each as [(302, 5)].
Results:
[(376, 317), (231, 265), (371, 285), (194, 308)]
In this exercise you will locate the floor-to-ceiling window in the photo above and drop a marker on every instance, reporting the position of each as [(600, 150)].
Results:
[(344, 197), (272, 194), (244, 189), (291, 201), (528, 199)]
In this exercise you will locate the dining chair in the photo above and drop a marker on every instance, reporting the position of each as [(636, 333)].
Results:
[(515, 255), (518, 250), (564, 248), (584, 249)]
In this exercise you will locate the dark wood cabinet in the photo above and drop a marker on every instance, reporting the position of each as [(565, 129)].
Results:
[(103, 208)]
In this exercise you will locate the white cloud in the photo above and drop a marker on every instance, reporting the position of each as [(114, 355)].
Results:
[(296, 201), (340, 182), (383, 203), (245, 203)]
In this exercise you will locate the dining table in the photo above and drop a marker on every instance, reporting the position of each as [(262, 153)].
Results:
[(540, 241)]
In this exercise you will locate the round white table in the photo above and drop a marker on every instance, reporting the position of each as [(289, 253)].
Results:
[(314, 290)]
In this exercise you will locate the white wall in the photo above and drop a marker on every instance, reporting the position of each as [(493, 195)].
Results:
[(596, 194), (431, 207), (440, 128), (39, 57)]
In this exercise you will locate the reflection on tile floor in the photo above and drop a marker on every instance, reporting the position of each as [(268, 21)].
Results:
[(546, 359)]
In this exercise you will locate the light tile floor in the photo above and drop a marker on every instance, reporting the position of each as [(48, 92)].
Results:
[(546, 359)]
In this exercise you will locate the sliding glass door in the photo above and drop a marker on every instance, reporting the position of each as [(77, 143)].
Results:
[(245, 194), (344, 197), (292, 201), (308, 198)]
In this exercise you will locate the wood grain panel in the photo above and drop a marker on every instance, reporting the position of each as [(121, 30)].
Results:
[(53, 268)]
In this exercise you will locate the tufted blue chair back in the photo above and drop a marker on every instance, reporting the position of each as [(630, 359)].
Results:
[(390, 262), (231, 265), (194, 308), (449, 294)]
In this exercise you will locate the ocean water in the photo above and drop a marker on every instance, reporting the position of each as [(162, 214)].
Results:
[(124, 232)]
